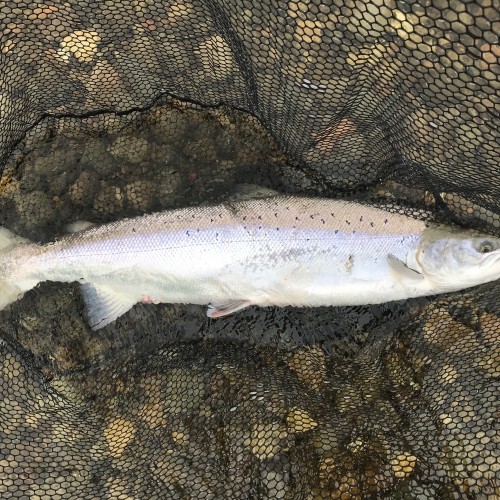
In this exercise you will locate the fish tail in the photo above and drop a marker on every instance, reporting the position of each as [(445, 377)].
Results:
[(10, 291)]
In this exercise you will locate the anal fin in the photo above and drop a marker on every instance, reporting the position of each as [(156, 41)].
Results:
[(221, 310), (401, 271), (103, 304)]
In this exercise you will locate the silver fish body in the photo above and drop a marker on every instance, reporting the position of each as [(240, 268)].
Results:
[(274, 251)]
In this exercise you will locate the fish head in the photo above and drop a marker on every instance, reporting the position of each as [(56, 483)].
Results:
[(453, 259)]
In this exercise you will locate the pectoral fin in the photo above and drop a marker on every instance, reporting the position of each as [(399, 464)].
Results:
[(221, 310), (104, 304), (401, 271)]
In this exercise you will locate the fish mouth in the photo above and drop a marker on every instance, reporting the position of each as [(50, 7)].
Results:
[(491, 259)]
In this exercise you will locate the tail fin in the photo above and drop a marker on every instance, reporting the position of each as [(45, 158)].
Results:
[(8, 239), (9, 292)]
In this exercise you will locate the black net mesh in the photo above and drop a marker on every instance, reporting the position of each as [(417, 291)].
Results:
[(112, 109)]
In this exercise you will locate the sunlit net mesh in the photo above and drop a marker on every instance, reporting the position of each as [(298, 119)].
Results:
[(112, 109)]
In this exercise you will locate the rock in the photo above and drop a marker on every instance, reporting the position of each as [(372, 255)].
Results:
[(153, 415), (268, 440), (82, 192), (109, 201), (140, 194), (130, 148), (34, 209), (118, 433), (299, 420), (185, 390), (403, 464), (216, 58), (81, 44), (308, 363), (442, 331), (105, 87), (169, 184)]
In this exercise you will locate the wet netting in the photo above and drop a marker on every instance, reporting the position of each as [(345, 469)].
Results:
[(118, 108)]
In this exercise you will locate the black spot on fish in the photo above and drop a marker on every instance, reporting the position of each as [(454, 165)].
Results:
[(361, 219), (133, 229), (349, 263), (372, 224), (348, 223)]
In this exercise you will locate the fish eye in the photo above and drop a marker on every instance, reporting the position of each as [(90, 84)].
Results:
[(486, 247)]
